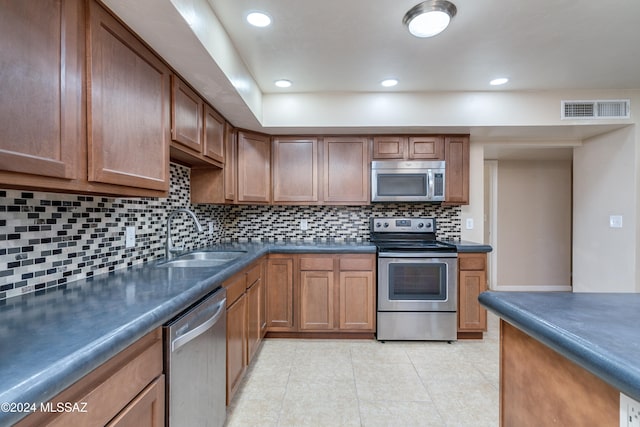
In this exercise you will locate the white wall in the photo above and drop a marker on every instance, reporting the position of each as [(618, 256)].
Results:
[(534, 225), (475, 209), (606, 183)]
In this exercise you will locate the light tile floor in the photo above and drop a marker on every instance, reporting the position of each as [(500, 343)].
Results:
[(368, 383)]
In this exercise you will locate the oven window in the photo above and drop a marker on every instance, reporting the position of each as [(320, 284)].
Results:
[(418, 281), (409, 184)]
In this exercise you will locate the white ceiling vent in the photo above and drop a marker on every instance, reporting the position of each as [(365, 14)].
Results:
[(597, 109)]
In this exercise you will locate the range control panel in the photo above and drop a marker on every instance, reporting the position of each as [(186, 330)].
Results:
[(403, 225)]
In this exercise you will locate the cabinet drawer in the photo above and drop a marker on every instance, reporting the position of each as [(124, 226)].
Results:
[(235, 287), (316, 263), (357, 263), (109, 388), (472, 262), (253, 274)]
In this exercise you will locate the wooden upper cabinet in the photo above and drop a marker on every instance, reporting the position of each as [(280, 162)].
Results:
[(408, 148), (254, 167), (41, 81), (389, 147), (230, 167), (128, 107), (426, 148), (457, 173), (186, 116), (214, 134), (295, 169), (346, 170)]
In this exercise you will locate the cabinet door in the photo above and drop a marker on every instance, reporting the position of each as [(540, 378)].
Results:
[(214, 129), (41, 77), (254, 168), (146, 410), (295, 169), (471, 316), (263, 308), (280, 294), (389, 147), (236, 345), (230, 165), (357, 303), (316, 300), (128, 107), (426, 148), (186, 116), (457, 174), (346, 170)]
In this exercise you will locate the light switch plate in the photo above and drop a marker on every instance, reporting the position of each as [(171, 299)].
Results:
[(304, 224), (469, 223), (130, 237), (615, 221)]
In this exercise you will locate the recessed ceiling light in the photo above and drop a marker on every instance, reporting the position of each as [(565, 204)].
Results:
[(258, 19), (389, 82), (429, 18), (499, 81), (283, 83)]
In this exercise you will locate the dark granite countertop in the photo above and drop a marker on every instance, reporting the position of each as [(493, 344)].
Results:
[(51, 339), (598, 331), (467, 246)]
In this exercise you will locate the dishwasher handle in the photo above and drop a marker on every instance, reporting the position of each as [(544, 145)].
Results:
[(201, 328)]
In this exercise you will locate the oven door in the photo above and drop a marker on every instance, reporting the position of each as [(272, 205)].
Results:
[(417, 281)]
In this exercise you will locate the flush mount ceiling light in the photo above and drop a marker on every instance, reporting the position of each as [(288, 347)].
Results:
[(258, 19), (499, 81), (389, 82), (429, 18), (283, 83)]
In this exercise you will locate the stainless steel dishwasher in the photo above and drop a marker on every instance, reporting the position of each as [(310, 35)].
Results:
[(195, 364)]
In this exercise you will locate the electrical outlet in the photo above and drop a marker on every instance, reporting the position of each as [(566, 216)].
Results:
[(210, 227), (304, 225), (629, 411), (469, 224), (130, 237)]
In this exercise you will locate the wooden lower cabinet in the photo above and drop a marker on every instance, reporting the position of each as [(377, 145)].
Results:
[(330, 293), (146, 410), (245, 322), (540, 387), (127, 390), (236, 345), (472, 281), (280, 293)]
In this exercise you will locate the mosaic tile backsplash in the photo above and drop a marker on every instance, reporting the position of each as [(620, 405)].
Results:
[(49, 239)]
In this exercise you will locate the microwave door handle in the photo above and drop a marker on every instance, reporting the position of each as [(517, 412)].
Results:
[(430, 184)]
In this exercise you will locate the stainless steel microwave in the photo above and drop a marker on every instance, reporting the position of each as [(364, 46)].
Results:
[(407, 181)]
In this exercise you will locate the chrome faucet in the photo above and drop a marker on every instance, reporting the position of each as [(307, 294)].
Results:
[(169, 248)]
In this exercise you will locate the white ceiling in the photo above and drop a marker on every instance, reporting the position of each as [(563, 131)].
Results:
[(351, 45), (348, 46)]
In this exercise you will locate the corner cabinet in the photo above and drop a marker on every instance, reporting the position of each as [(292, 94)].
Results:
[(254, 168), (472, 281), (127, 107), (127, 390)]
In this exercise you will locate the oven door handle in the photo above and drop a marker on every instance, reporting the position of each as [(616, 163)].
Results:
[(417, 254)]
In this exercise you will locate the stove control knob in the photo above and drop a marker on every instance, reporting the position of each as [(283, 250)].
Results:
[(429, 225), (386, 224), (420, 225), (378, 224)]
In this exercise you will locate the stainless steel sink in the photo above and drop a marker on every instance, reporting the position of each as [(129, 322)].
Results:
[(202, 259), (212, 255)]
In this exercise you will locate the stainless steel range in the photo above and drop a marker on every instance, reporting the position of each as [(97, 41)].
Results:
[(417, 281)]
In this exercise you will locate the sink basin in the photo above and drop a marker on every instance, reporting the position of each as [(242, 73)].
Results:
[(212, 255), (202, 259)]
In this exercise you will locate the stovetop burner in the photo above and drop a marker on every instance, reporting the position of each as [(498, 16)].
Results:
[(406, 234)]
